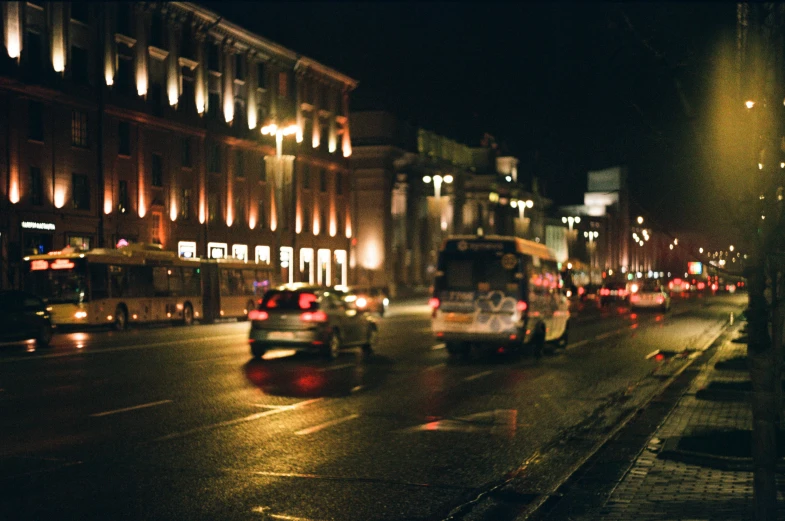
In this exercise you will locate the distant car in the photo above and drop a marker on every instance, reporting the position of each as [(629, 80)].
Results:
[(311, 319), (677, 286), (649, 294), (613, 292), (23, 316), (373, 300)]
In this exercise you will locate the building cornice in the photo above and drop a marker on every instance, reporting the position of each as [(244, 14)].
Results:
[(259, 44)]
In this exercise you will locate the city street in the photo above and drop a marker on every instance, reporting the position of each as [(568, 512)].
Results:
[(180, 423)]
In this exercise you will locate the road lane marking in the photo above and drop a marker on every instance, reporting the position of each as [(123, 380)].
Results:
[(357, 388), (111, 350), (322, 426), (237, 421), (334, 367), (436, 347), (437, 366), (579, 343), (605, 335), (652, 354), (478, 375), (134, 408)]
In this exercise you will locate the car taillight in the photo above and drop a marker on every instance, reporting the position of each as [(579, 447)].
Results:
[(361, 302), (255, 314), (314, 316), (634, 298), (660, 300), (434, 303), (521, 306)]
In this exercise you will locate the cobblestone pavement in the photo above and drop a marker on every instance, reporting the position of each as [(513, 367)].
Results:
[(662, 487)]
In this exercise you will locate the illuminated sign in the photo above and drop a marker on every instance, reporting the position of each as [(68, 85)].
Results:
[(32, 225), (122, 243), (695, 268), (186, 249), (216, 250), (62, 264), (262, 254), (240, 251), (39, 265)]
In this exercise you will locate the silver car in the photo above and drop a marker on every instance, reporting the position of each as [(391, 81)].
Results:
[(309, 318), (649, 294)]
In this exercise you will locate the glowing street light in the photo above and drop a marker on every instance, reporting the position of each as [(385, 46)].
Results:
[(640, 220), (279, 132), (700, 250), (437, 182), (749, 104), (569, 220), (731, 247)]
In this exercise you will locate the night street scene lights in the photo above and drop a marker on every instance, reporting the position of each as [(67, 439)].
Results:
[(279, 133), (640, 220), (437, 182), (571, 220)]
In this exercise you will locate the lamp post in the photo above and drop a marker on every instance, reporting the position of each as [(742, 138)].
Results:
[(521, 205), (279, 133), (592, 235)]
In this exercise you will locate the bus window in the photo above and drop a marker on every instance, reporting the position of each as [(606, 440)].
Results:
[(192, 282), (140, 281), (161, 281), (236, 283), (118, 282), (476, 271), (175, 281), (98, 281), (225, 286), (249, 280)]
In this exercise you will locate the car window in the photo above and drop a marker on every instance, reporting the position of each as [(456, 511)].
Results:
[(291, 300), (31, 302)]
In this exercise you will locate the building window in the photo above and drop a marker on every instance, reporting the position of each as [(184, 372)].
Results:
[(339, 183), (323, 180), (157, 168), (283, 84), (79, 128), (36, 187), (80, 189), (155, 227), (125, 15), (124, 138), (239, 209), (79, 243), (239, 165), (122, 199), (156, 31), (261, 215), (213, 60), (186, 152), (185, 203), (214, 105), (306, 176), (215, 159), (125, 62), (261, 75), (212, 207), (79, 11), (34, 51), (80, 63), (35, 121), (238, 67)]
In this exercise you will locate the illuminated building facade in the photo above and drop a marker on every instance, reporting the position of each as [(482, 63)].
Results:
[(144, 122), (415, 187)]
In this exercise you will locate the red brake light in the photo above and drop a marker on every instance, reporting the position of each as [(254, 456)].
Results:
[(521, 306), (434, 303), (314, 316), (255, 314)]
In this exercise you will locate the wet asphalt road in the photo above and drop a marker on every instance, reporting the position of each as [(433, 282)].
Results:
[(179, 423)]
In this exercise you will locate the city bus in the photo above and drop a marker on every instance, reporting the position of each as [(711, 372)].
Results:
[(142, 283), (498, 292)]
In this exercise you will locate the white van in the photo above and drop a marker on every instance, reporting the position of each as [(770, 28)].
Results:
[(498, 292)]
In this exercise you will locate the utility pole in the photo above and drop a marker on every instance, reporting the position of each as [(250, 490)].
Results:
[(760, 30)]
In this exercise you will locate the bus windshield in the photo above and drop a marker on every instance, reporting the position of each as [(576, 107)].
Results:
[(60, 283), (471, 270)]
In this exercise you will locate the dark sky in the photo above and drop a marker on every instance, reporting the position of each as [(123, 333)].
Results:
[(567, 87)]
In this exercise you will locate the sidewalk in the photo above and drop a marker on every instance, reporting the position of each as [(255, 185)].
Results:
[(695, 465)]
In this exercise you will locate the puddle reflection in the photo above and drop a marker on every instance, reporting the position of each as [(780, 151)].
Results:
[(287, 373)]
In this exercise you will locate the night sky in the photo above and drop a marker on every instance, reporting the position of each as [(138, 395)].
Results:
[(565, 87)]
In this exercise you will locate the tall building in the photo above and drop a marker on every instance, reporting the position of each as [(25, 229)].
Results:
[(164, 123)]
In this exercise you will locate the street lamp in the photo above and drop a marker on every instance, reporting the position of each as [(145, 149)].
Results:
[(437, 183), (640, 220), (571, 220), (731, 247), (749, 104)]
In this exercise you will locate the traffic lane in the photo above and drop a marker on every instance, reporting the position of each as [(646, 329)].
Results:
[(173, 378), (272, 435), (387, 446)]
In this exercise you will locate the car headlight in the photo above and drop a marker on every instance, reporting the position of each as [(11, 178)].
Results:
[(386, 301), (361, 302), (80, 314)]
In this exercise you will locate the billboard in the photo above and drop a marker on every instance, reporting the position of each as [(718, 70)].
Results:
[(695, 268)]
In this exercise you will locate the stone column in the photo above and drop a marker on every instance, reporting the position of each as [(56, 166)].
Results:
[(250, 91), (13, 18), (299, 80), (346, 144), (332, 142), (109, 12), (173, 62), (316, 134), (141, 50), (200, 88), (59, 49)]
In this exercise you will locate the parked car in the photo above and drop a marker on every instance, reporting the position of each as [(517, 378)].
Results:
[(613, 292), (649, 294), (309, 318), (373, 300), (23, 316)]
